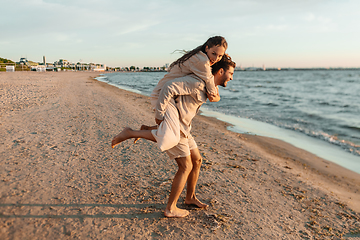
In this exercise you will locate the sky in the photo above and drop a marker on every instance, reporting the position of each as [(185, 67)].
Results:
[(145, 33)]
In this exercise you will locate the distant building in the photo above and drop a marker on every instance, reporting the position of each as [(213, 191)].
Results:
[(98, 67), (62, 63), (82, 66), (23, 61), (44, 60), (39, 68), (239, 68), (10, 68)]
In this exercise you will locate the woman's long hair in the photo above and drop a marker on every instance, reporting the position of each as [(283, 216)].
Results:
[(213, 41)]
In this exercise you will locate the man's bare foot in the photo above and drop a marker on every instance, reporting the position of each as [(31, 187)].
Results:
[(196, 202), (122, 136), (177, 212), (143, 127)]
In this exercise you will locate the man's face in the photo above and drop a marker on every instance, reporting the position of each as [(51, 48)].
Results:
[(226, 77)]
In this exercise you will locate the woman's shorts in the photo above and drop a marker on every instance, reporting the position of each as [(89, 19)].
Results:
[(183, 148)]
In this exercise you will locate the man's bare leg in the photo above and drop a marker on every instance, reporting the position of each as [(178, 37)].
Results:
[(128, 133), (192, 180), (144, 127), (181, 176)]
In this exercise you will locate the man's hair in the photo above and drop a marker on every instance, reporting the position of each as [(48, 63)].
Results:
[(224, 63)]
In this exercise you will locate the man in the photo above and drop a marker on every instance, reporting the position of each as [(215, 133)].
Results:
[(182, 97)]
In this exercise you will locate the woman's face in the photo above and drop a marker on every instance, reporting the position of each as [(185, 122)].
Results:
[(214, 53)]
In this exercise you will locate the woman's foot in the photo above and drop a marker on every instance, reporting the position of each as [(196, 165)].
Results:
[(196, 202), (177, 212), (122, 136)]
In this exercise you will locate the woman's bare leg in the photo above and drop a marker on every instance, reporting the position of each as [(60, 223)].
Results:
[(128, 133), (192, 180), (144, 127), (181, 176)]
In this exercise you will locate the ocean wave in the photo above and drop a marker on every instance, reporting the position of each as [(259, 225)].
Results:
[(271, 104), (352, 127), (345, 145), (227, 98), (102, 78), (230, 90), (325, 104), (314, 116)]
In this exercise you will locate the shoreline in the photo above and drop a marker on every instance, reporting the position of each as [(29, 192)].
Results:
[(319, 147), (315, 146), (327, 174), (61, 179)]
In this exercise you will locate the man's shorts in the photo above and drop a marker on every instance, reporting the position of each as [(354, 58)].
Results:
[(183, 148)]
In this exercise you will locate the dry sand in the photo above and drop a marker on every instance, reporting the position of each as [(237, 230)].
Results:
[(60, 179)]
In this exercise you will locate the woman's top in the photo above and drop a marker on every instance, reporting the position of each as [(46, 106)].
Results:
[(197, 64)]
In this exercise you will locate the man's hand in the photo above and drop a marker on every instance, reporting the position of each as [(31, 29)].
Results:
[(158, 121), (213, 98)]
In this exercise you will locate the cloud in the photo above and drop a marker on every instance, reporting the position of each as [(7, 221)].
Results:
[(319, 23), (127, 28), (310, 17), (60, 37), (272, 27)]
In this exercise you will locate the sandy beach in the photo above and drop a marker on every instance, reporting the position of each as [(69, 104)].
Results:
[(60, 178)]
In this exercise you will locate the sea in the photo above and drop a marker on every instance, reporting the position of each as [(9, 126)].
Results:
[(316, 110)]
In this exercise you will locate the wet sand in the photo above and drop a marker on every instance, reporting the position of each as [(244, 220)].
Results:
[(60, 178)]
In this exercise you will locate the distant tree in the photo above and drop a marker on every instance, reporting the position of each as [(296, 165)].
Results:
[(4, 60), (132, 68)]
